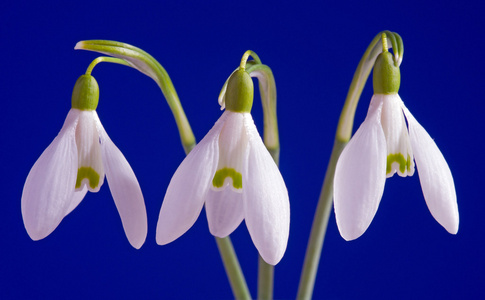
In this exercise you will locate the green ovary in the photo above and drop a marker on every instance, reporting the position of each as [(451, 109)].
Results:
[(221, 175), (399, 158), (90, 174)]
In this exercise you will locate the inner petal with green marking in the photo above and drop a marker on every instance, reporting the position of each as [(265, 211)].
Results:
[(400, 158), (233, 147), (87, 173), (396, 162), (90, 163), (222, 174)]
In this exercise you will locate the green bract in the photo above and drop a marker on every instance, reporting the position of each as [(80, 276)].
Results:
[(386, 75), (239, 92), (85, 94)]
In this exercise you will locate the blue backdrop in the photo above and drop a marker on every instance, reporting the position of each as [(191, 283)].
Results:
[(313, 48)]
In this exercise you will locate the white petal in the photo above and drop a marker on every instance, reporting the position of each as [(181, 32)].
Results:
[(77, 197), (225, 211), (48, 194), (434, 175), (188, 188), (360, 176), (266, 203), (125, 190), (90, 164)]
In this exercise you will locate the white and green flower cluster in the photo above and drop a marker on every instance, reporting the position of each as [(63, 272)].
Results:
[(382, 146), (232, 172)]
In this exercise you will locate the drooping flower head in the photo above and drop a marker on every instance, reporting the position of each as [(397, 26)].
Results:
[(233, 174), (77, 161), (382, 146)]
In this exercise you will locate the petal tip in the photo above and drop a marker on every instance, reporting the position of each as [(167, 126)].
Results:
[(164, 235), (78, 45), (452, 228), (36, 235), (350, 235), (163, 240), (217, 232), (271, 258), (137, 241)]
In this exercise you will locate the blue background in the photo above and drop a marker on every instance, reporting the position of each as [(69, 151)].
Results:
[(313, 48)]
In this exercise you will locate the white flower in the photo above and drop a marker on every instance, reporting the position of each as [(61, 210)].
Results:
[(233, 174), (382, 146), (75, 162)]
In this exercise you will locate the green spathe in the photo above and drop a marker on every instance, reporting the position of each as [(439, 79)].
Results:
[(404, 164), (386, 75), (85, 94), (239, 92), (221, 175), (90, 174)]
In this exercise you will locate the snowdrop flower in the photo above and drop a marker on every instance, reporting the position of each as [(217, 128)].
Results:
[(382, 146), (77, 161), (233, 174)]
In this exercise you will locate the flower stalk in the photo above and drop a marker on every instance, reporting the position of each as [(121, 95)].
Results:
[(145, 63), (342, 137), (105, 59), (149, 66), (267, 89), (237, 281)]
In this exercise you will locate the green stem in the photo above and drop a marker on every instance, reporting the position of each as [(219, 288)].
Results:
[(267, 89), (145, 63), (342, 137), (265, 280), (346, 121), (245, 57), (319, 227), (105, 59), (233, 269)]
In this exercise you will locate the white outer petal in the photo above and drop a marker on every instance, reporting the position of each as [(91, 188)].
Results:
[(266, 202), (360, 176), (48, 194), (188, 188), (225, 211), (434, 175), (77, 197), (125, 190)]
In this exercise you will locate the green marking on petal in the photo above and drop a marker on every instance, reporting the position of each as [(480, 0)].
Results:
[(221, 175), (90, 174), (404, 164)]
